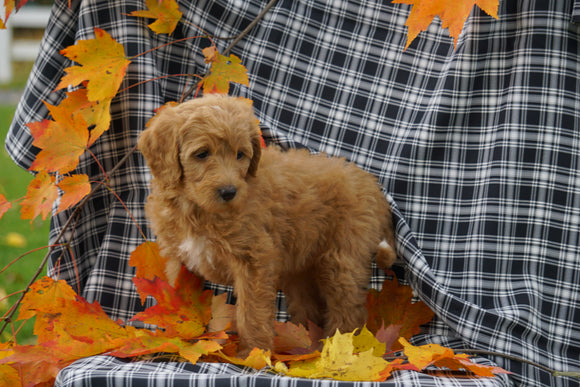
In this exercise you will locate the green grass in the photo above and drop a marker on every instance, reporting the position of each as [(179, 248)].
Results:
[(13, 183), (21, 70)]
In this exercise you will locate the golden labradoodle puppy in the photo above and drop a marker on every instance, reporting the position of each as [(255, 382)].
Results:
[(263, 219)]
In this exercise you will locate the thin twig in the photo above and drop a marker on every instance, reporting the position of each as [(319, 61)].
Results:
[(250, 26), (22, 256)]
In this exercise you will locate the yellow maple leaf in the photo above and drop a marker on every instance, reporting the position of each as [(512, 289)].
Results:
[(198, 349), (165, 12), (422, 356), (102, 63), (258, 359), (452, 14), (224, 69), (344, 356)]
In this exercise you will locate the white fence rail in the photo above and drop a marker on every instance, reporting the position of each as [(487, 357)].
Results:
[(12, 48)]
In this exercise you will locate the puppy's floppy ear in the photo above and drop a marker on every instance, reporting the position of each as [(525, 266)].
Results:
[(256, 151), (159, 143)]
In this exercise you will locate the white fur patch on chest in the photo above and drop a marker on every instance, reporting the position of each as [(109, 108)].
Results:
[(196, 252)]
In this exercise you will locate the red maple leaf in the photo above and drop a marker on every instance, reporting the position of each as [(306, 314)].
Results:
[(183, 311)]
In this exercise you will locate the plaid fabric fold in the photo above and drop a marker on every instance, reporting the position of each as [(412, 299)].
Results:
[(576, 12), (478, 147), (107, 371)]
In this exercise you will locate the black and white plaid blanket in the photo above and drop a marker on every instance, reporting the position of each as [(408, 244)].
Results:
[(477, 147)]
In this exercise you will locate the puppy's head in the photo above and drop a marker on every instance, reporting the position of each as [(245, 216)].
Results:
[(206, 148)]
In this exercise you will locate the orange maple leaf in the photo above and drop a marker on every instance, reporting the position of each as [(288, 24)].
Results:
[(393, 308), (144, 342), (67, 323), (74, 188), (165, 12), (436, 355), (67, 327), (5, 205), (9, 6), (224, 69), (149, 263), (41, 194), (452, 14), (96, 114), (102, 63), (195, 350), (61, 140), (8, 374), (57, 308), (86, 323)]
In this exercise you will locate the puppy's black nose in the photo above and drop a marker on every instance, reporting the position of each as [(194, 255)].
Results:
[(227, 193)]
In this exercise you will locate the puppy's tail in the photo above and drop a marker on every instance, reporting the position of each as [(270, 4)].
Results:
[(386, 254)]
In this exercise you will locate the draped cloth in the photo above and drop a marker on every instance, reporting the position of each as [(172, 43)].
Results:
[(477, 148)]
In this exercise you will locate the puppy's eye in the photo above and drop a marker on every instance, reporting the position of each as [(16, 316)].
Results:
[(201, 155), (240, 155)]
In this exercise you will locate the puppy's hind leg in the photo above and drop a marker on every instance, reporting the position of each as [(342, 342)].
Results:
[(303, 298), (343, 285)]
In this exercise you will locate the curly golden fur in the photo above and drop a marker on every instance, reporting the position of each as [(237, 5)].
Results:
[(262, 219)]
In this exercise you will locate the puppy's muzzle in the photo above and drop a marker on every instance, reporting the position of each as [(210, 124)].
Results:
[(227, 193)]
